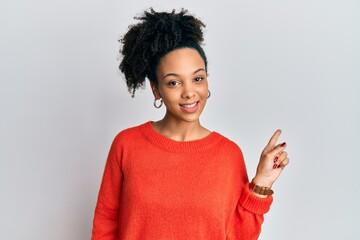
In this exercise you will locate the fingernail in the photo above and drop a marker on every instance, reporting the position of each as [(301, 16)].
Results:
[(275, 159), (275, 166), (283, 144)]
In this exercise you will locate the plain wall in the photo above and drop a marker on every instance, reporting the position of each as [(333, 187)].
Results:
[(274, 64)]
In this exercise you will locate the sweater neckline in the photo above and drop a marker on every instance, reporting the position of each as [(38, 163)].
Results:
[(171, 145)]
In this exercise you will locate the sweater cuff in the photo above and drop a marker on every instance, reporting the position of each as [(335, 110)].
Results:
[(253, 203)]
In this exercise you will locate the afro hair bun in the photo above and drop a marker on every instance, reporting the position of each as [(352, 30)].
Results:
[(155, 35)]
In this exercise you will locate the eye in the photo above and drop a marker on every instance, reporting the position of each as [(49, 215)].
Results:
[(198, 79), (173, 83)]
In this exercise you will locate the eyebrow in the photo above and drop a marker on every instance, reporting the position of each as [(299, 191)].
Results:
[(176, 75)]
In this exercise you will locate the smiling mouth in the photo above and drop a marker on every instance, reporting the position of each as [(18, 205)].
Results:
[(189, 105)]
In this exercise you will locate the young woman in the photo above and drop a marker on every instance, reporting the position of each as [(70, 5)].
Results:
[(173, 178)]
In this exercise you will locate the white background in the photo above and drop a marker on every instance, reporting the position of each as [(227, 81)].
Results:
[(274, 64)]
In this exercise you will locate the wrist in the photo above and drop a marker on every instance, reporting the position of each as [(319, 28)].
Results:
[(261, 182), (257, 194), (259, 190)]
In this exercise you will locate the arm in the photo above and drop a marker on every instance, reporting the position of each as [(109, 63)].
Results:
[(106, 217), (250, 210), (249, 215)]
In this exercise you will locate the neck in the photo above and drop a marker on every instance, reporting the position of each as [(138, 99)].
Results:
[(180, 130)]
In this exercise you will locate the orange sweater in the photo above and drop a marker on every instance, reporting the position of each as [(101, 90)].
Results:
[(157, 188)]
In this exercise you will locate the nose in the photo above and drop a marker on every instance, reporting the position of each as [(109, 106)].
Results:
[(188, 91)]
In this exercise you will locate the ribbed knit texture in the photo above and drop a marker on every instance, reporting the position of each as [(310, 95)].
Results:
[(157, 188)]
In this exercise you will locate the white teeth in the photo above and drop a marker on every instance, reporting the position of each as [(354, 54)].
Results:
[(189, 106)]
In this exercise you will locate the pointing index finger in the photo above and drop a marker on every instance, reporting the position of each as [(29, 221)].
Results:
[(273, 140)]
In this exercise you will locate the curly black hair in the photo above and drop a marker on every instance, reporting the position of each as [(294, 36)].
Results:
[(157, 34)]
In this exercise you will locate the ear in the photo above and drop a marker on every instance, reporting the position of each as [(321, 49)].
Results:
[(155, 90)]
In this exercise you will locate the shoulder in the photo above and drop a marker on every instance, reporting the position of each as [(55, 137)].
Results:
[(230, 146), (129, 135)]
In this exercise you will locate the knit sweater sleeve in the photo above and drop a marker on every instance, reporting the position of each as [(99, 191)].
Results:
[(250, 209), (106, 218)]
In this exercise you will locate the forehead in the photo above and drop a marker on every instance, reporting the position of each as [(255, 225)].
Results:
[(180, 61)]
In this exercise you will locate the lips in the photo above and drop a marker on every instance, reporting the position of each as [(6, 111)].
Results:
[(190, 108), (189, 105)]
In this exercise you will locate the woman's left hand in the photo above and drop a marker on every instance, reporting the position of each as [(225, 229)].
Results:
[(272, 161)]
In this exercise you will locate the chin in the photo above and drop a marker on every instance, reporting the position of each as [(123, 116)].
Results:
[(191, 119)]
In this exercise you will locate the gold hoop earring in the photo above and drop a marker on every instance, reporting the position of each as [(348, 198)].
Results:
[(155, 103), (209, 93)]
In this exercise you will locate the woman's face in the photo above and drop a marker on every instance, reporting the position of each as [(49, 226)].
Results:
[(182, 84)]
